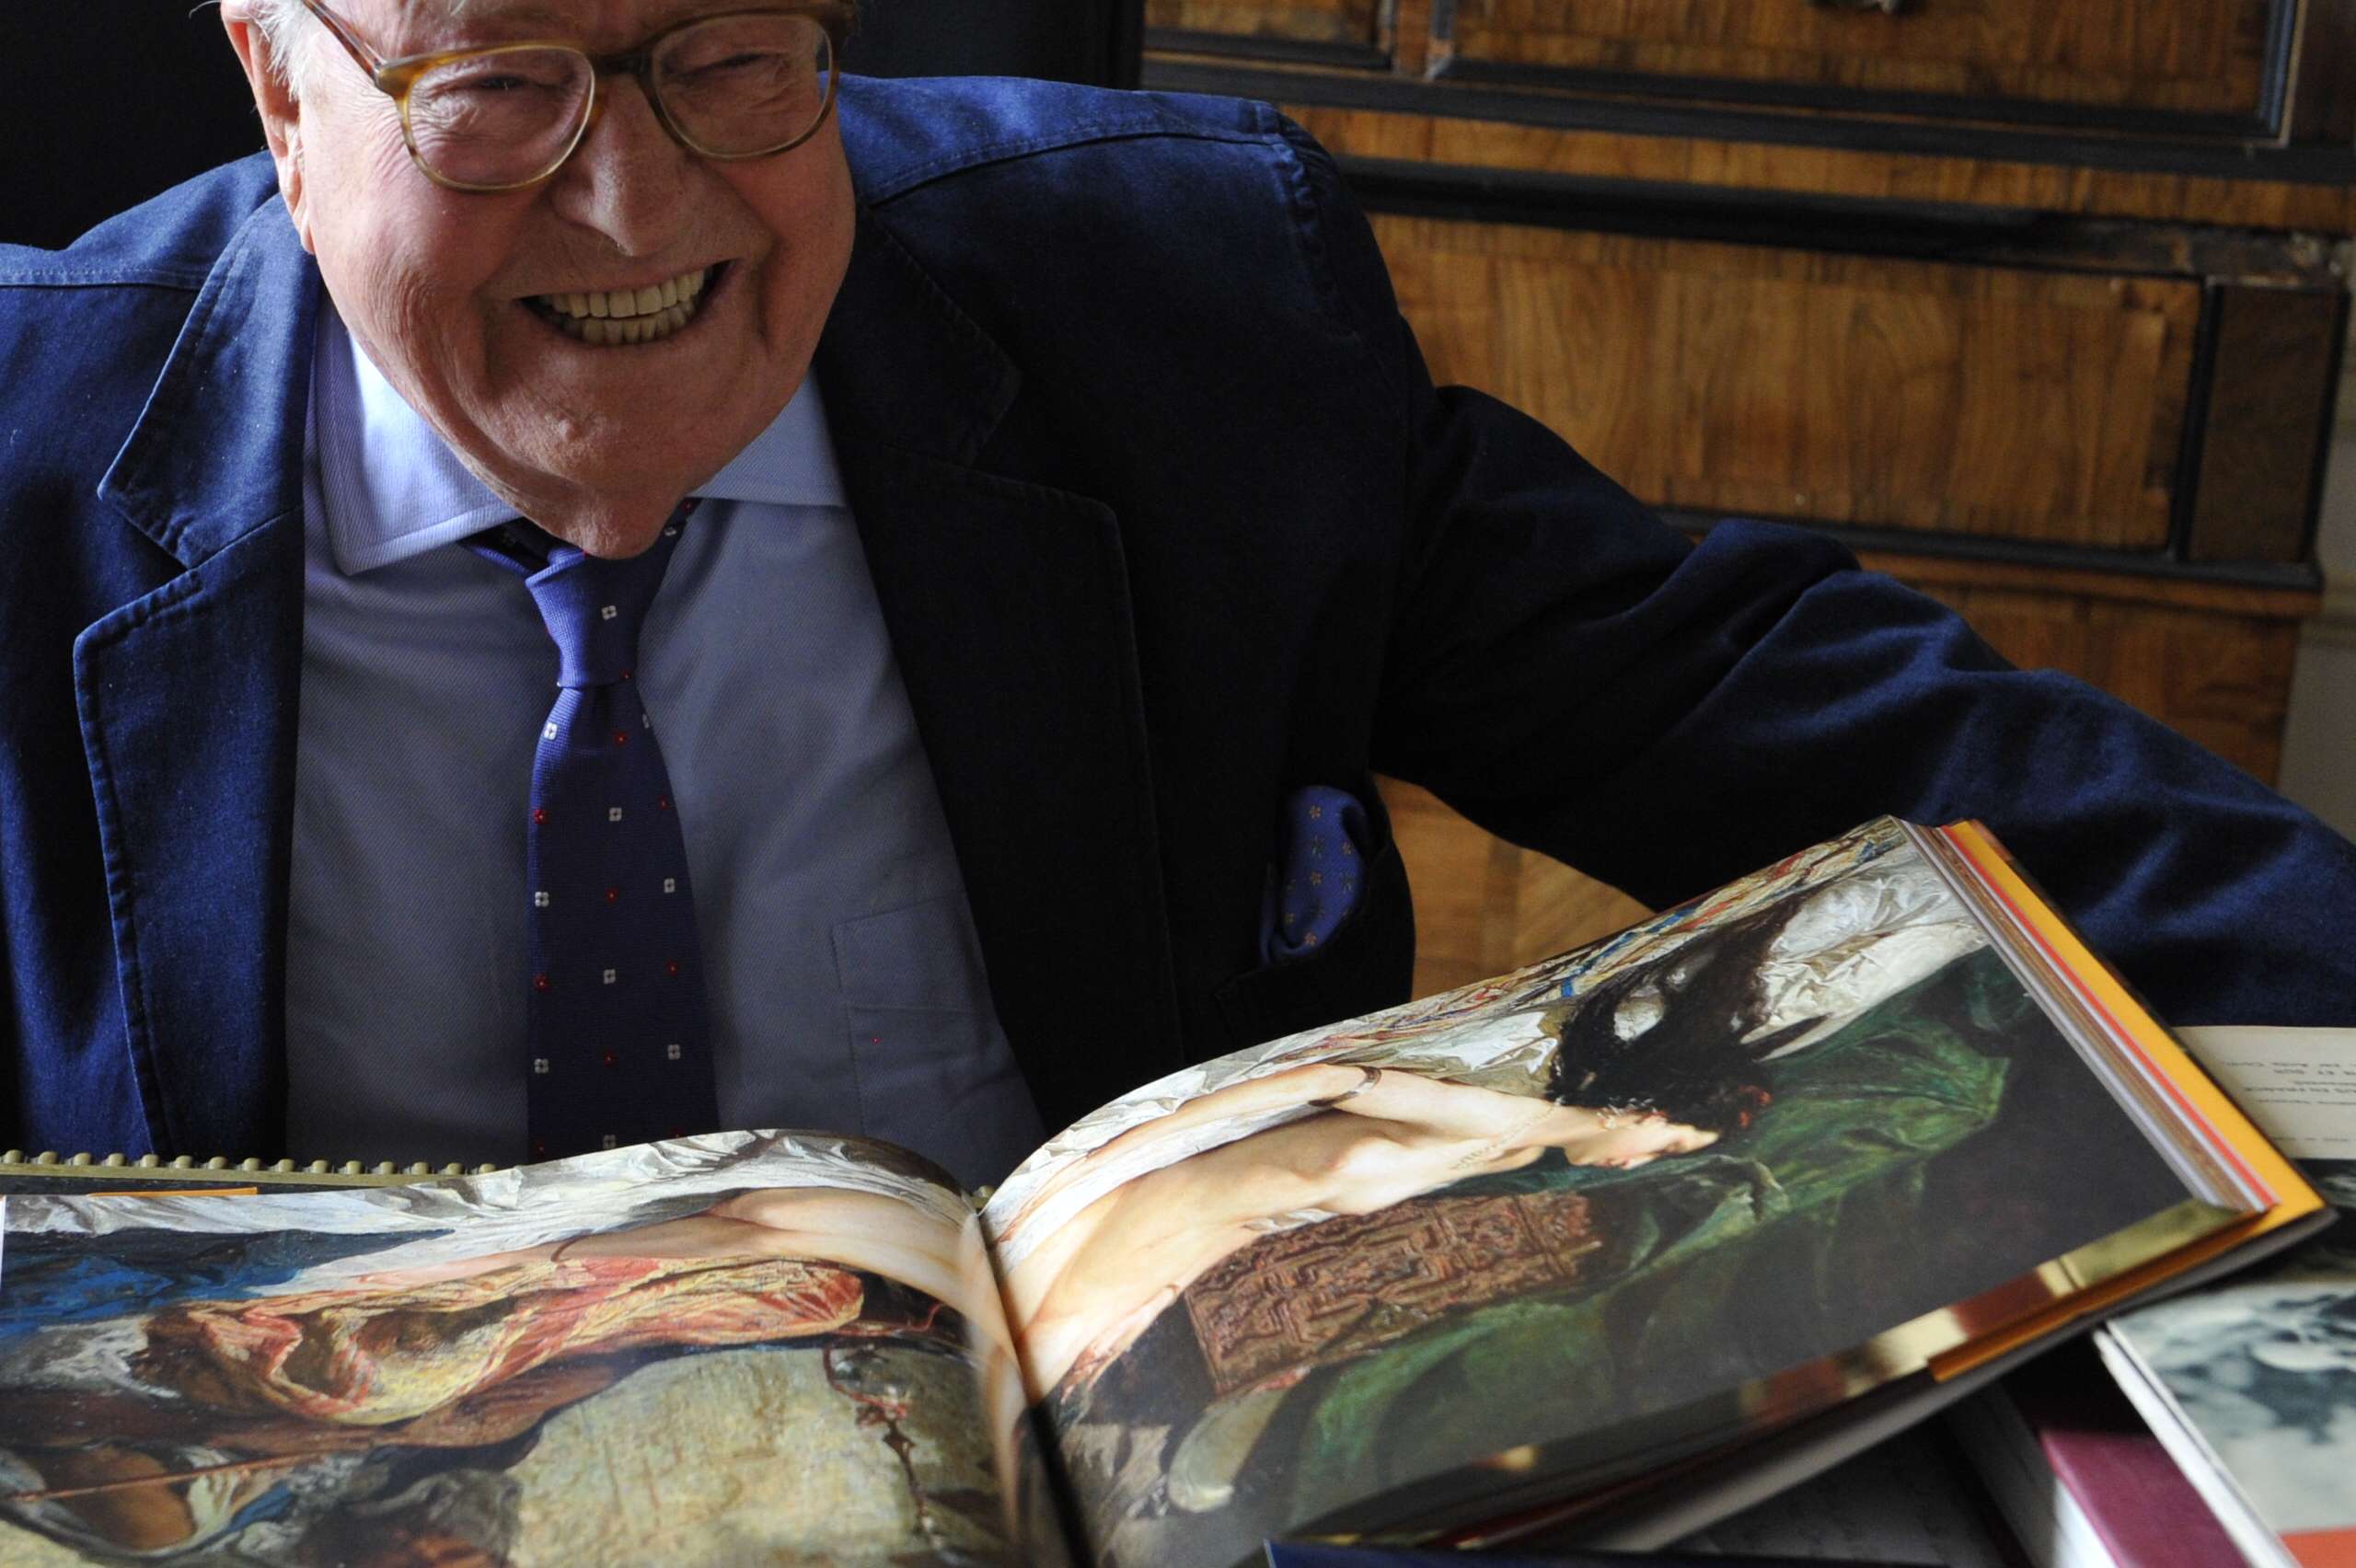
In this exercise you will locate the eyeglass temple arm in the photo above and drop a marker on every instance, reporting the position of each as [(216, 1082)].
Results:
[(369, 60)]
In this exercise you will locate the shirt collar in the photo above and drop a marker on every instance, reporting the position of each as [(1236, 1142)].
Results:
[(394, 489)]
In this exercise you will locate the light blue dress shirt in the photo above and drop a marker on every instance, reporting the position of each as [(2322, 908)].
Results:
[(847, 991)]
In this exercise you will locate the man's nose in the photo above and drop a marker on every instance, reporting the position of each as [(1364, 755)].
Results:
[(628, 176)]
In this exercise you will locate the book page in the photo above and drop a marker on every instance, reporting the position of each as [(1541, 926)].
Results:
[(2257, 1376), (773, 1346), (1725, 1169), (2298, 1084)]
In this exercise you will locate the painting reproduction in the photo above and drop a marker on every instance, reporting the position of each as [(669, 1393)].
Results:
[(2262, 1372), (1510, 1246), (1489, 1236), (745, 1347)]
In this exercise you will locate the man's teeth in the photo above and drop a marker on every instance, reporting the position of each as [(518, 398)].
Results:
[(608, 316)]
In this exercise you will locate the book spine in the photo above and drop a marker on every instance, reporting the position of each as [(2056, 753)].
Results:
[(2139, 1502), (110, 1167)]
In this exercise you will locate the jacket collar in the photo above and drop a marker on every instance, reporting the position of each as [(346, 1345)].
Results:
[(1007, 602), (217, 452)]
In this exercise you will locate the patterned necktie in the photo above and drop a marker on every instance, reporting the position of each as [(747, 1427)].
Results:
[(619, 1041)]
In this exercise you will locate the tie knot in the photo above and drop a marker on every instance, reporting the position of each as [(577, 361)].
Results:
[(593, 606)]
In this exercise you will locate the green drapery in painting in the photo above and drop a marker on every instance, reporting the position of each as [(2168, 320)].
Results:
[(1830, 1184)]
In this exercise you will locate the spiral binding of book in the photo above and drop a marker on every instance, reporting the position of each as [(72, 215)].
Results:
[(49, 1165)]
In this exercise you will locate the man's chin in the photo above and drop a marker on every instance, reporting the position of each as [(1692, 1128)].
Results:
[(609, 484), (590, 445), (615, 538)]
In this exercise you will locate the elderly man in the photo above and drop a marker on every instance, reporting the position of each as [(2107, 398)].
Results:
[(1024, 520)]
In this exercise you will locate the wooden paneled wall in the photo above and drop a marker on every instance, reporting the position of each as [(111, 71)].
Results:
[(2012, 403)]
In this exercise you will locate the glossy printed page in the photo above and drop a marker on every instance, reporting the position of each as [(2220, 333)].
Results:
[(1451, 1250), (2259, 1371), (775, 1346)]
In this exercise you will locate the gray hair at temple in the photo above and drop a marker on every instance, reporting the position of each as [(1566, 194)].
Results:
[(283, 22)]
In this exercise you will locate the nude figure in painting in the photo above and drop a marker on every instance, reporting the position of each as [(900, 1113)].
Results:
[(1328, 1138)]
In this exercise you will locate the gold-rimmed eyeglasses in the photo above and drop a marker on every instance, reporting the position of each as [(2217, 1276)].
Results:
[(739, 85)]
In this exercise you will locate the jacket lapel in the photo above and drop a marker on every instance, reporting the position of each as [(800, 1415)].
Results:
[(1009, 608), (1008, 604), (187, 697)]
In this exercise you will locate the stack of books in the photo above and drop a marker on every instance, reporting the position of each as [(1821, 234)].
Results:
[(1670, 1245)]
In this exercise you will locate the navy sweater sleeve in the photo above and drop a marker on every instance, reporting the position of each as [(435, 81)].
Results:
[(1577, 677)]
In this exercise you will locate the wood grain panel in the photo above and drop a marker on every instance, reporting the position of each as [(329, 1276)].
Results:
[(2178, 56), (1300, 21), (1409, 43), (2323, 86), (2273, 356), (1469, 143), (2222, 680), (1753, 380), (2159, 591), (1482, 905)]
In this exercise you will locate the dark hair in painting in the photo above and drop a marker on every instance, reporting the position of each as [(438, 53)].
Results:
[(1691, 1063)]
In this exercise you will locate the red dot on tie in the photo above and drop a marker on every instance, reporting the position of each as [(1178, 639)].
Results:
[(626, 674), (675, 1132), (875, 1040), (671, 966), (662, 803), (612, 1060), (540, 982), (621, 737), (540, 1149), (539, 815), (613, 895)]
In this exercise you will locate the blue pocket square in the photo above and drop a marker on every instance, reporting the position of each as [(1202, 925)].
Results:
[(1319, 866)]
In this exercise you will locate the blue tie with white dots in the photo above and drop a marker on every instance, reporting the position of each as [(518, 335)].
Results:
[(620, 1045)]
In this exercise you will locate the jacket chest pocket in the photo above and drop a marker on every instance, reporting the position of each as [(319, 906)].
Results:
[(1367, 962)]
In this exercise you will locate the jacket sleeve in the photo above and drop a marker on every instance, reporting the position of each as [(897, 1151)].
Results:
[(1573, 674)]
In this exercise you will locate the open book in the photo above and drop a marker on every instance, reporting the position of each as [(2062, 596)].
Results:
[(1599, 1249), (2251, 1385)]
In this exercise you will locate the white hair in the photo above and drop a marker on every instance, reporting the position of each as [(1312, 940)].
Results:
[(281, 23), (284, 26)]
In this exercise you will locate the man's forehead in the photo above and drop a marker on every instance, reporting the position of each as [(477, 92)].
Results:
[(565, 18)]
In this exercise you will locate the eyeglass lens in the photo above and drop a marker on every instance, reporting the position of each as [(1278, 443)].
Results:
[(732, 87)]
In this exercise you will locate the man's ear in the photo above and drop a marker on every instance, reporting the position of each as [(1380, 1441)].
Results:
[(280, 106)]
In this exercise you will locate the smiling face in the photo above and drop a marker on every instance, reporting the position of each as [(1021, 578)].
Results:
[(468, 302)]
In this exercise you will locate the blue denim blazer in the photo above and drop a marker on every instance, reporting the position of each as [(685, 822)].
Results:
[(1166, 520)]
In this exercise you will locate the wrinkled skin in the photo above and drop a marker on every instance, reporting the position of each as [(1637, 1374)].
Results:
[(595, 443)]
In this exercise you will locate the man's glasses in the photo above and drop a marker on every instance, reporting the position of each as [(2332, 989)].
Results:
[(744, 85)]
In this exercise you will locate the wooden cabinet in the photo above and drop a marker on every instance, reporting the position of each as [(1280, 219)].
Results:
[(2037, 304), (2229, 68), (2213, 659), (1354, 26), (1961, 398), (2206, 61)]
